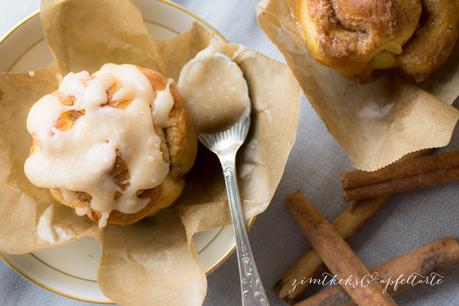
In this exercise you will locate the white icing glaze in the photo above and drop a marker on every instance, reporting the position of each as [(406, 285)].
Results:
[(82, 157), (162, 106), (82, 211), (214, 89), (69, 196), (47, 230), (44, 226)]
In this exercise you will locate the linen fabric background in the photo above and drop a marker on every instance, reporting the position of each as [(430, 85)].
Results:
[(405, 223)]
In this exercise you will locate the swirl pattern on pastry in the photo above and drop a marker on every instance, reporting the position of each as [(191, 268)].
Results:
[(356, 37)]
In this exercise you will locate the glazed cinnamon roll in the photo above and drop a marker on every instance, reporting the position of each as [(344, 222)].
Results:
[(357, 37), (114, 145)]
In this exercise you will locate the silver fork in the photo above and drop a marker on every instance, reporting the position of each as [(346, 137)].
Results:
[(225, 145)]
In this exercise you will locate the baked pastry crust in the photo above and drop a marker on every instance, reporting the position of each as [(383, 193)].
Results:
[(357, 37), (179, 148), (434, 40)]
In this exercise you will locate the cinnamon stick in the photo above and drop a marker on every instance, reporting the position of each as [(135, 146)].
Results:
[(439, 257), (295, 281), (335, 253), (405, 175)]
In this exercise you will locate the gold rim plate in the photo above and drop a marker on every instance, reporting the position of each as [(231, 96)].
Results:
[(220, 261)]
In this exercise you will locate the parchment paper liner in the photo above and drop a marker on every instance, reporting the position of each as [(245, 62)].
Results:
[(376, 123), (152, 262)]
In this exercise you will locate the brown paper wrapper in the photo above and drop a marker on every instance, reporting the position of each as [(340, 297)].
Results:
[(85, 34), (376, 123), (30, 219), (152, 262), (155, 268)]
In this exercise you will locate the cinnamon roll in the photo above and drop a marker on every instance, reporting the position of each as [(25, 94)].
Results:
[(357, 37), (114, 145)]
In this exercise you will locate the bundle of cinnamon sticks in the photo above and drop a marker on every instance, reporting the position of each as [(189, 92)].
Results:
[(368, 192)]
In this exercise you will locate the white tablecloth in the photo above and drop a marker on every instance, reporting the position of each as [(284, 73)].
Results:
[(407, 222)]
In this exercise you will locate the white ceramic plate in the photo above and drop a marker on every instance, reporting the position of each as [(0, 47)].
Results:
[(71, 270)]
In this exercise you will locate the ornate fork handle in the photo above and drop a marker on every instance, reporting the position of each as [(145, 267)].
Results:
[(252, 291)]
